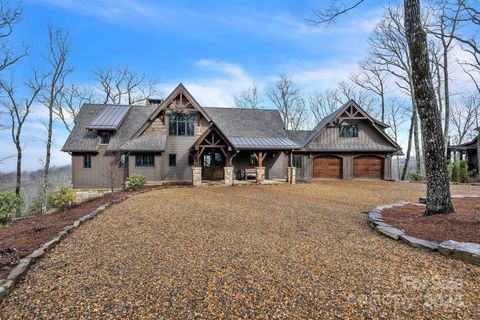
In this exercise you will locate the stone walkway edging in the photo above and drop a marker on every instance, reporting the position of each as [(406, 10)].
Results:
[(7, 285), (466, 251)]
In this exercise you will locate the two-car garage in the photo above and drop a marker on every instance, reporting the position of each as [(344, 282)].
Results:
[(361, 167)]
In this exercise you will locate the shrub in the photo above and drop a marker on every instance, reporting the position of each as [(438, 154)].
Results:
[(9, 205), (62, 197), (415, 176), (135, 182), (462, 172), (459, 172)]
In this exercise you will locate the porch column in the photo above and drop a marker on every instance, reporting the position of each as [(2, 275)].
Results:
[(228, 174), (197, 176), (289, 160), (260, 169), (260, 174), (291, 175)]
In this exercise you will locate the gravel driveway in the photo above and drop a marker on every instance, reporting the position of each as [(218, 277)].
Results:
[(254, 252)]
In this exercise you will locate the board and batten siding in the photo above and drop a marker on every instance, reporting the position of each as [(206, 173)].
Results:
[(98, 176), (366, 135)]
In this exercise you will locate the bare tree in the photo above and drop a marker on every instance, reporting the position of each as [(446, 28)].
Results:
[(396, 114), (323, 102), (19, 111), (372, 78), (248, 98), (59, 50), (469, 38), (388, 45), (464, 117), (70, 99), (438, 188), (444, 27), (9, 16), (122, 85), (288, 99)]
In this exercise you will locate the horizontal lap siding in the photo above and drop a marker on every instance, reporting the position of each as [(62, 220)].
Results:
[(179, 146), (151, 173)]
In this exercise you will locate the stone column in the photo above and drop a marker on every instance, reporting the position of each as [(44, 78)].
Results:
[(228, 174), (291, 175), (197, 176), (260, 174)]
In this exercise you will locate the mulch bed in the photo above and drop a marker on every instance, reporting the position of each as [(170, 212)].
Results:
[(463, 225), (22, 237)]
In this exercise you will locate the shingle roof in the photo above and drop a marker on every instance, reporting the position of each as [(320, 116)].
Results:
[(465, 146), (252, 128), (80, 139), (83, 140), (137, 116), (299, 136), (146, 142)]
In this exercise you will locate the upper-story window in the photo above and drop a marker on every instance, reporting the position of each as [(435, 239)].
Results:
[(181, 124), (104, 137), (348, 131)]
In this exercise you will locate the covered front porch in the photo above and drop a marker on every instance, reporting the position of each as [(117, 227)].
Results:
[(240, 161)]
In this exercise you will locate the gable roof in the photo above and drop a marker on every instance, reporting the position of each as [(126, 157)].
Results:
[(252, 128), (337, 113), (83, 140)]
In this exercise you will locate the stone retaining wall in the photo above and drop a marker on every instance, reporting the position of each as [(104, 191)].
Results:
[(467, 251)]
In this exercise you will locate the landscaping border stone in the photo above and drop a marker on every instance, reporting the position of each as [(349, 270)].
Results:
[(7, 285), (466, 251)]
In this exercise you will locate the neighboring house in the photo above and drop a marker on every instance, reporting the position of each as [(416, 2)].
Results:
[(177, 140), (466, 151)]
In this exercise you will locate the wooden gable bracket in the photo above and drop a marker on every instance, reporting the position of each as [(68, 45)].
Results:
[(260, 156)]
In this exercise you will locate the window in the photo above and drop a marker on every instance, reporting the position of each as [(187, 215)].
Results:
[(105, 137), (172, 160), (144, 160), (87, 160), (181, 124), (348, 131), (297, 161), (191, 160)]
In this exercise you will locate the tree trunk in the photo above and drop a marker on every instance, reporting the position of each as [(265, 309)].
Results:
[(46, 167), (416, 139), (447, 99), (18, 185), (409, 148), (438, 188), (383, 106)]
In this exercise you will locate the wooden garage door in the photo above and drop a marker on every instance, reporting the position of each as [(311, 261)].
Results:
[(327, 167), (368, 167)]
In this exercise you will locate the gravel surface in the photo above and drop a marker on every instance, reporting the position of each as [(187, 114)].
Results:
[(250, 252)]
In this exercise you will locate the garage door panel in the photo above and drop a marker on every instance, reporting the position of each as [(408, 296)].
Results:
[(368, 167), (327, 167)]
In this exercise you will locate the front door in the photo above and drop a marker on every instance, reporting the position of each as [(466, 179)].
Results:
[(212, 163)]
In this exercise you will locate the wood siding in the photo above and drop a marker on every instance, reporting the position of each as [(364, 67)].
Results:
[(151, 173), (98, 176), (367, 134)]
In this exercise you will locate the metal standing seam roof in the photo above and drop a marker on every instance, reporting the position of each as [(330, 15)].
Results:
[(265, 143), (110, 118)]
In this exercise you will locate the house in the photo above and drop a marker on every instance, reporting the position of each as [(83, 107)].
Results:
[(177, 140), (466, 151)]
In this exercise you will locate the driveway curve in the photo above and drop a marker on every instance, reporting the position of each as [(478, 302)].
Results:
[(282, 251)]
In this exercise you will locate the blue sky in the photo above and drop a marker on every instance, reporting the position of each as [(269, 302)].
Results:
[(216, 48)]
